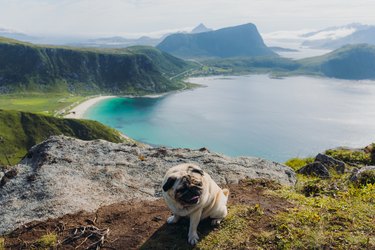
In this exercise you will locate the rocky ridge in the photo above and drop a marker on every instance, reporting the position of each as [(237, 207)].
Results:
[(63, 175)]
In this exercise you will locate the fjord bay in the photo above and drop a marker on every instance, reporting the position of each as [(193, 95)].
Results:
[(250, 116)]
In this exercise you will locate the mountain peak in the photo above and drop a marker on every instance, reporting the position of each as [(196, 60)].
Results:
[(200, 29), (242, 40)]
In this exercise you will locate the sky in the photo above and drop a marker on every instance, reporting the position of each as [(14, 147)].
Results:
[(133, 18)]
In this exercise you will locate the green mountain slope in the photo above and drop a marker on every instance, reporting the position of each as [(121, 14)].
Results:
[(166, 63), (19, 131), (355, 62), (242, 40), (28, 67)]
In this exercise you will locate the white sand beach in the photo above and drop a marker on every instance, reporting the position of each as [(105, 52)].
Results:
[(78, 111)]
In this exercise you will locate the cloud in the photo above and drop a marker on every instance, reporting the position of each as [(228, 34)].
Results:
[(116, 17)]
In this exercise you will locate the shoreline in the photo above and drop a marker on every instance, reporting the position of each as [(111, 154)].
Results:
[(78, 111)]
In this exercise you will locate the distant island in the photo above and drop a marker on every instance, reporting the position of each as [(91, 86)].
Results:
[(281, 49), (352, 62), (242, 40)]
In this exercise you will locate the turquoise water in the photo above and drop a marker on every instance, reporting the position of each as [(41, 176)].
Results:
[(250, 115)]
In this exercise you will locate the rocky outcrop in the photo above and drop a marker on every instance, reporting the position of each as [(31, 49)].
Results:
[(364, 175), (330, 162), (315, 169), (321, 166), (65, 175)]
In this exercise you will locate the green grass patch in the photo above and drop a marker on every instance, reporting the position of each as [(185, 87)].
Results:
[(38, 102), (234, 231), (297, 163), (343, 219), (47, 241), (350, 156)]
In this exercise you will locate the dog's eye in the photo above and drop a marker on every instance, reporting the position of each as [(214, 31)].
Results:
[(169, 183), (198, 171)]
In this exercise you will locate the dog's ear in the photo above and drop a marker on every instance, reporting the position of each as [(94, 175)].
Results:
[(197, 170), (169, 183)]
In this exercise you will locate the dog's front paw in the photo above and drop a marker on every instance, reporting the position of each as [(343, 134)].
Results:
[(172, 219), (193, 239), (215, 222)]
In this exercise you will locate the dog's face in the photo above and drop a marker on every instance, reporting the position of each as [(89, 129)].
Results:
[(187, 187)]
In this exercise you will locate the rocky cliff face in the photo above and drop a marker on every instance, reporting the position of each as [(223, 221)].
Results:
[(64, 175)]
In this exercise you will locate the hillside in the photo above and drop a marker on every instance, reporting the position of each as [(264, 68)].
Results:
[(165, 63), (19, 131), (28, 67), (242, 40), (354, 62)]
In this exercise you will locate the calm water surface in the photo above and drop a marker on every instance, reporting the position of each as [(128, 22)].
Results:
[(250, 115)]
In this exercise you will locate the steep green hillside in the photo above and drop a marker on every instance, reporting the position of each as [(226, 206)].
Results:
[(242, 40), (19, 131), (166, 63), (354, 62), (28, 67)]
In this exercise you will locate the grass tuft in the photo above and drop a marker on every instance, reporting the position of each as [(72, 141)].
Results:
[(46, 241), (2, 244), (297, 163)]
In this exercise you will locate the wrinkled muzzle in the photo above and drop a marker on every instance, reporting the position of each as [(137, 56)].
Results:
[(189, 194)]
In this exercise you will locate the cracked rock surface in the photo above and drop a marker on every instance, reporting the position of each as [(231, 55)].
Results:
[(64, 175)]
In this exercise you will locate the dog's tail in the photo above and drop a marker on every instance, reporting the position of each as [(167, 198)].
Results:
[(226, 192), (226, 195)]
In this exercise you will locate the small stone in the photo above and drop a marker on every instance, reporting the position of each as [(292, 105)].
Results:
[(204, 149), (157, 219), (11, 173)]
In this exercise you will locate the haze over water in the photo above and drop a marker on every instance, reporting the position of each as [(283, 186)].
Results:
[(250, 116)]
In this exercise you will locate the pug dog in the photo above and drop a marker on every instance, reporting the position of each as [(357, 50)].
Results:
[(190, 192)]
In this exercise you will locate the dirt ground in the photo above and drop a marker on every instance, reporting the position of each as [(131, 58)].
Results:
[(136, 224)]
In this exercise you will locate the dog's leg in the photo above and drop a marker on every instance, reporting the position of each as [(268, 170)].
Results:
[(194, 221), (173, 219), (219, 214)]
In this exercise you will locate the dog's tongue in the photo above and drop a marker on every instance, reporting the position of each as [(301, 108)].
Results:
[(194, 198)]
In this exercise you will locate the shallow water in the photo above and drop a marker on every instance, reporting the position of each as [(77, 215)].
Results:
[(250, 115)]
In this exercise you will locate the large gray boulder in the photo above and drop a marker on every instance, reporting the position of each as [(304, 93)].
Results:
[(315, 169), (65, 175), (331, 163)]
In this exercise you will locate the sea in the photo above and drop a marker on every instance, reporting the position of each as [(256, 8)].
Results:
[(253, 115)]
